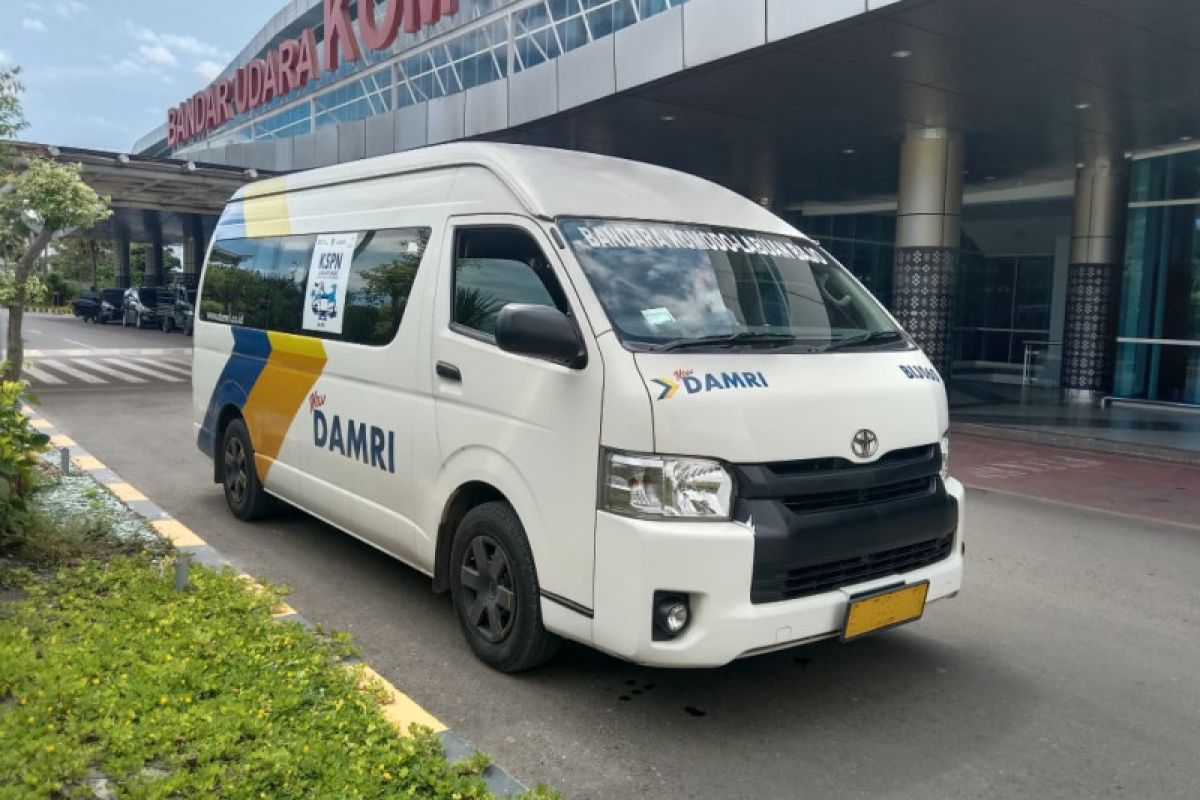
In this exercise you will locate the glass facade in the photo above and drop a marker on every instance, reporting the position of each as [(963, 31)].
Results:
[(1158, 342), (482, 53), (1005, 295), (863, 243)]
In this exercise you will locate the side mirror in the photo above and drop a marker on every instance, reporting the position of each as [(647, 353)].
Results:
[(540, 332)]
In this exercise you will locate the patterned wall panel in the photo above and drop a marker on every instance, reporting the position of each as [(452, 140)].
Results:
[(1090, 332), (923, 298)]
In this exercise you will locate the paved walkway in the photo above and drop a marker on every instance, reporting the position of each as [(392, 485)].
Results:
[(1115, 483)]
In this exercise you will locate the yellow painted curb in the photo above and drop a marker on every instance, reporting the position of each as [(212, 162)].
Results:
[(179, 534), (40, 424), (125, 492), (400, 709), (282, 610), (87, 463), (62, 441)]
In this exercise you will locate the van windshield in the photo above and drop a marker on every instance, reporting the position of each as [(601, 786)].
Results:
[(697, 287)]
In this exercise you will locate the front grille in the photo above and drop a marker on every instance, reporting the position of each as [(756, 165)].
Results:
[(849, 498), (770, 586), (810, 466)]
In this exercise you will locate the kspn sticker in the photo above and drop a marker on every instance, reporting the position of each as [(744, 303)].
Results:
[(328, 279)]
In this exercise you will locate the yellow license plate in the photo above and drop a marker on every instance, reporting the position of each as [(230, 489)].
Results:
[(885, 609)]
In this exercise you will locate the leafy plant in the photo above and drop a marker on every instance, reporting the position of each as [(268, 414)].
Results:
[(111, 674), (20, 445)]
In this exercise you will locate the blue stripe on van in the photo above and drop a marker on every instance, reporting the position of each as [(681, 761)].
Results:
[(251, 349)]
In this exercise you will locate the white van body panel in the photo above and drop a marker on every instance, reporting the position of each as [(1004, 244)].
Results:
[(534, 431), (808, 404)]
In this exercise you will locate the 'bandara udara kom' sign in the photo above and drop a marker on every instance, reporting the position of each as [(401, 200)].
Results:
[(294, 63)]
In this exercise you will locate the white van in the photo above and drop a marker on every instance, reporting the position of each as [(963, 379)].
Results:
[(593, 399)]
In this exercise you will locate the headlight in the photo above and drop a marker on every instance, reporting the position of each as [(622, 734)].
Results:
[(666, 487), (945, 455), (106, 306)]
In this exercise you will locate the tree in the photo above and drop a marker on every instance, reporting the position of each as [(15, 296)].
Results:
[(40, 200), (12, 121), (46, 199)]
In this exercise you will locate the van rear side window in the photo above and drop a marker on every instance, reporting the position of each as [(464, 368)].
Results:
[(263, 283)]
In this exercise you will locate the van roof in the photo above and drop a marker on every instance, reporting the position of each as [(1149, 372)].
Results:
[(551, 183)]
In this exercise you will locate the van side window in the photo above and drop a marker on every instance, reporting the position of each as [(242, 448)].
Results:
[(262, 283), (497, 266)]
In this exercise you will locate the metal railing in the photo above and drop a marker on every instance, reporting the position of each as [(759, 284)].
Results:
[(1030, 365)]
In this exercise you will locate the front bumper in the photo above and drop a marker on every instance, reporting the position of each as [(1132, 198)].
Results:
[(713, 562)]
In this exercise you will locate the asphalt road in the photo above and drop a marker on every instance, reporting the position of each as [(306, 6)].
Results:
[(1067, 668)]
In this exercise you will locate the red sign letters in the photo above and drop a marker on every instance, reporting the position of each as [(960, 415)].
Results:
[(295, 62)]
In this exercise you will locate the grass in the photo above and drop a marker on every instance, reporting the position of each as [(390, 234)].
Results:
[(109, 676)]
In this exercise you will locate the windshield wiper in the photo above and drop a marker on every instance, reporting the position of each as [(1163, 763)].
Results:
[(871, 337), (727, 340)]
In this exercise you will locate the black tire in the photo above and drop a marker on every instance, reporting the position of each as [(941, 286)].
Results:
[(507, 635), (243, 491), (168, 325)]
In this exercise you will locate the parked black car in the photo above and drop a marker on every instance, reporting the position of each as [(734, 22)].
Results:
[(180, 310), (144, 306), (110, 305), (86, 306)]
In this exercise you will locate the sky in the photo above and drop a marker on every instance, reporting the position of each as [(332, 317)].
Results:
[(102, 73)]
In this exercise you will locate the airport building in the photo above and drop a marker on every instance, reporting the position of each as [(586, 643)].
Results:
[(1016, 179)]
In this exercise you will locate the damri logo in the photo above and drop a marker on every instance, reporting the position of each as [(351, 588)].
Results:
[(691, 383), (371, 445)]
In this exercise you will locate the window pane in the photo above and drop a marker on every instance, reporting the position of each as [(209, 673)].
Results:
[(495, 267), (381, 278), (262, 283)]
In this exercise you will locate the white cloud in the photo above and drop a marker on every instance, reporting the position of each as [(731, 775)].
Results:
[(127, 66), (70, 8), (157, 54), (208, 70), (35, 25), (193, 46), (177, 43)]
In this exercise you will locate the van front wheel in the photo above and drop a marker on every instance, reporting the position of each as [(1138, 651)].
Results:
[(495, 589), (243, 491)]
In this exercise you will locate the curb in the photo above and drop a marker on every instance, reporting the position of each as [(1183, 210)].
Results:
[(400, 709), (1069, 441)]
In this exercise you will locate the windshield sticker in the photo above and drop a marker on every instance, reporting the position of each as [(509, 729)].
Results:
[(692, 383), (328, 277), (658, 316), (657, 237)]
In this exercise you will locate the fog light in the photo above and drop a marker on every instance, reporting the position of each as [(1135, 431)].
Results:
[(671, 615), (676, 617)]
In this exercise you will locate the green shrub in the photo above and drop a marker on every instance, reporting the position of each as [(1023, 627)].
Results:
[(108, 673), (20, 445)]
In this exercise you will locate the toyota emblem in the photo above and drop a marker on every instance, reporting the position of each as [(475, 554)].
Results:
[(865, 443)]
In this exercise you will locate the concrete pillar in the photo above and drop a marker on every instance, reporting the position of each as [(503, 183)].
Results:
[(121, 255), (154, 252), (1094, 279), (194, 244), (929, 204)]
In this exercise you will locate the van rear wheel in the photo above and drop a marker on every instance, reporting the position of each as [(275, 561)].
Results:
[(243, 491), (495, 589)]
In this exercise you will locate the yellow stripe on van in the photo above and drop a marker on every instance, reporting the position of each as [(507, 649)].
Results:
[(266, 210), (292, 369)]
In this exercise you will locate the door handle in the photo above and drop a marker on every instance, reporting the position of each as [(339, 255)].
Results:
[(448, 371)]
